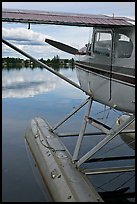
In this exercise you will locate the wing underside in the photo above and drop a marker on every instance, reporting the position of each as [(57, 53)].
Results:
[(58, 18)]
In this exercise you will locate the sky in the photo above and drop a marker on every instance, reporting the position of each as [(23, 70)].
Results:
[(32, 41)]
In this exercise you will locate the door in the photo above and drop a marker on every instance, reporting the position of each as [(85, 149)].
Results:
[(101, 63)]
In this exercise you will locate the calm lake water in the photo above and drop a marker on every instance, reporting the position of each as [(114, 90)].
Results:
[(27, 93)]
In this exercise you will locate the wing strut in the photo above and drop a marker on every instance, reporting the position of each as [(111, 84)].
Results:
[(43, 65)]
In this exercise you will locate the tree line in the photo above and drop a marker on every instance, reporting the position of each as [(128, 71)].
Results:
[(55, 62)]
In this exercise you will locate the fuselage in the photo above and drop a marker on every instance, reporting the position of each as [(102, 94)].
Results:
[(106, 70)]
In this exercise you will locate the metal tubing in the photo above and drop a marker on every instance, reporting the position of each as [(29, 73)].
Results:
[(69, 115), (104, 128), (104, 159), (81, 134), (43, 65), (109, 170), (87, 134), (113, 133)]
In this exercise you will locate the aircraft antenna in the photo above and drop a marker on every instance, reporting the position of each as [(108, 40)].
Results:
[(28, 26)]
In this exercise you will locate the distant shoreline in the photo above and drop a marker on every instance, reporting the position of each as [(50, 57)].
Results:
[(55, 62)]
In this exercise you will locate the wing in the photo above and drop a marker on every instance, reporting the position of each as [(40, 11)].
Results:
[(70, 19)]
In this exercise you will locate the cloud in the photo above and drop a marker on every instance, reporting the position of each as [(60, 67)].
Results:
[(24, 36), (33, 42), (29, 41)]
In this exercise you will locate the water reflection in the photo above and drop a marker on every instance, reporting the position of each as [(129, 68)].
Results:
[(26, 83), (52, 97), (128, 140), (29, 82), (28, 93)]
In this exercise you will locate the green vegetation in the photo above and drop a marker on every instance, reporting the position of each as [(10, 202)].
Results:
[(55, 63)]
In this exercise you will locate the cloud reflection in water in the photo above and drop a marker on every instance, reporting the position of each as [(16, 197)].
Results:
[(27, 83)]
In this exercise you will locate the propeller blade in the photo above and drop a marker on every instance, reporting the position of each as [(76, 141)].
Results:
[(62, 46)]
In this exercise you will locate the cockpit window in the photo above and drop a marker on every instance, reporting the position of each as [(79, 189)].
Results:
[(124, 46), (102, 43)]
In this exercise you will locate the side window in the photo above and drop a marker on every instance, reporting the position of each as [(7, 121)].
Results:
[(124, 46), (102, 43)]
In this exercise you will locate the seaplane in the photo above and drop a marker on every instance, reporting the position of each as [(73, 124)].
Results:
[(105, 68)]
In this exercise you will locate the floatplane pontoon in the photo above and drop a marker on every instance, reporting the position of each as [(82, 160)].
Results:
[(106, 72)]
